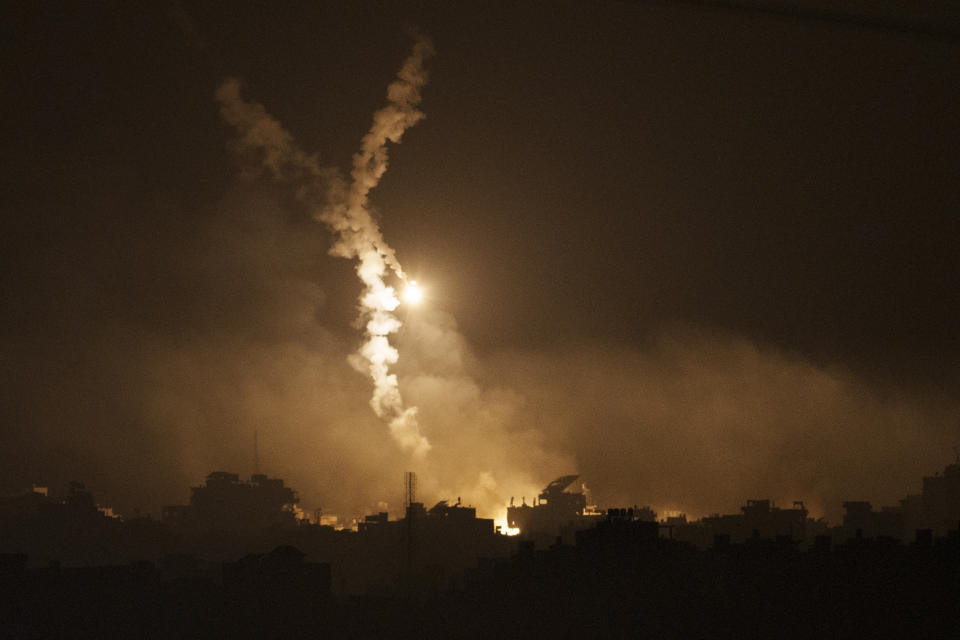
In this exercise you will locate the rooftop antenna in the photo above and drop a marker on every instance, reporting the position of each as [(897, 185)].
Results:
[(409, 489), (409, 498), (256, 454)]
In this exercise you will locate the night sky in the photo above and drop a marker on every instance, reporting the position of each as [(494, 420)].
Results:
[(697, 254)]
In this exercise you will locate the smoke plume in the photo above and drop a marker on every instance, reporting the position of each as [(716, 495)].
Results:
[(343, 206)]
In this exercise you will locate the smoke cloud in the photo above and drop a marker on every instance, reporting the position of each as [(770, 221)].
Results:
[(698, 422), (343, 207), (238, 329), (480, 454), (156, 316)]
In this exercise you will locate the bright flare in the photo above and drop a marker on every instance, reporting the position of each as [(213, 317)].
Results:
[(413, 294), (342, 204)]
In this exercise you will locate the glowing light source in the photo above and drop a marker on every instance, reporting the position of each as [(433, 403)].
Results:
[(412, 294), (504, 528)]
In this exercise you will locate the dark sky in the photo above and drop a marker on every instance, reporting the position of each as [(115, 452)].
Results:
[(697, 254)]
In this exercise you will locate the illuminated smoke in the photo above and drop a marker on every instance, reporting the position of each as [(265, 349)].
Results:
[(342, 206)]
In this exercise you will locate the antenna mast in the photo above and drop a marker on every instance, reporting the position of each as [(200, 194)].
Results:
[(409, 489), (410, 550)]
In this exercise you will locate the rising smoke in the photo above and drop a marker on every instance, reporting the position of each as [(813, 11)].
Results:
[(641, 426), (343, 206), (155, 317)]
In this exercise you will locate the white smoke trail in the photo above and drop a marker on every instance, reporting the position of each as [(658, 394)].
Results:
[(343, 207)]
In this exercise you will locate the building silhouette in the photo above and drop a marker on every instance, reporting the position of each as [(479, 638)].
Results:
[(224, 503), (555, 512), (71, 528), (236, 562), (935, 508)]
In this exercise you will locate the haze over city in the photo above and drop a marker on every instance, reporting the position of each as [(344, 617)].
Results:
[(693, 254)]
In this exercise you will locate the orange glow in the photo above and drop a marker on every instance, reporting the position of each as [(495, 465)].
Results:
[(505, 529)]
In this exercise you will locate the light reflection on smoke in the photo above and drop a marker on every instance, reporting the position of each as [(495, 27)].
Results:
[(343, 207)]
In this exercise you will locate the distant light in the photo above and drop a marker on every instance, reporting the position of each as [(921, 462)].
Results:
[(504, 528), (412, 294)]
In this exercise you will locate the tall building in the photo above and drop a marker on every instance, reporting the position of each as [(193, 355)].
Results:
[(554, 512), (225, 503)]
